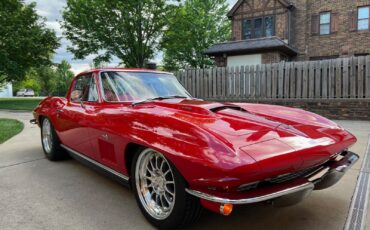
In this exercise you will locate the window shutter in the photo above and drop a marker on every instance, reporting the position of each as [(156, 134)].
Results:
[(315, 24), (334, 22), (352, 16)]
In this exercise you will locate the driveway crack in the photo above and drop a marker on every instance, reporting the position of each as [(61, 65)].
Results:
[(21, 163)]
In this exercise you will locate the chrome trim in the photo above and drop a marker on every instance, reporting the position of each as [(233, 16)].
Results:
[(351, 158), (120, 175), (336, 171), (266, 197), (321, 179)]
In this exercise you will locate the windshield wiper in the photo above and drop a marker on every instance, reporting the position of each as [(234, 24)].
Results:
[(156, 99)]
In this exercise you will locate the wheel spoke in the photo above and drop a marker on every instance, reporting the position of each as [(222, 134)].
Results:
[(156, 162), (157, 198), (150, 170), (165, 173), (151, 164), (148, 178), (161, 167), (169, 192), (167, 199), (162, 202)]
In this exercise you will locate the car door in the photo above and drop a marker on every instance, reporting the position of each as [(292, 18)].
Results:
[(107, 143), (75, 117)]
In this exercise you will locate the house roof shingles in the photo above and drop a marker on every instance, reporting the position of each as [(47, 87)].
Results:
[(251, 46)]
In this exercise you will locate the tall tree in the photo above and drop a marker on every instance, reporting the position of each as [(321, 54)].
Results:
[(64, 77), (25, 42), (193, 27), (46, 76), (129, 30)]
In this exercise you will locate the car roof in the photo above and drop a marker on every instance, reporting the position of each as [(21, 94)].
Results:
[(122, 69)]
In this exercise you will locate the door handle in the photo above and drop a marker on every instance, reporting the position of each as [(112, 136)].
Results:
[(105, 136), (58, 111)]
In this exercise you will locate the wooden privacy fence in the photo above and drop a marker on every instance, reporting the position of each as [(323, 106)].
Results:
[(336, 78)]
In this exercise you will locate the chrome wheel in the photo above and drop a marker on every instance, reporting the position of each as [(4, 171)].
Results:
[(47, 135), (155, 184)]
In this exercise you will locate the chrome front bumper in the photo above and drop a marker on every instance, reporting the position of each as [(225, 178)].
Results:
[(323, 178)]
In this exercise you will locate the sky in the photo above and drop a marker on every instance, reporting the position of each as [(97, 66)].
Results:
[(51, 10)]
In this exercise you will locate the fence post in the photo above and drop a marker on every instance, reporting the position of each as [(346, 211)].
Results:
[(338, 79), (360, 77), (299, 80), (345, 78), (252, 82), (367, 89), (281, 79), (317, 84), (247, 81), (324, 79), (257, 82), (242, 82), (263, 82), (287, 79), (352, 77), (268, 80)]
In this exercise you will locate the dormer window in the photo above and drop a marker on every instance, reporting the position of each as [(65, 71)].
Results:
[(258, 27)]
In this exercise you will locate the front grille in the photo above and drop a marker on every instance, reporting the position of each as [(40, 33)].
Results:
[(280, 179), (292, 176)]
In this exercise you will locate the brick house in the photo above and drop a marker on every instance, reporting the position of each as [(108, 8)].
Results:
[(267, 31)]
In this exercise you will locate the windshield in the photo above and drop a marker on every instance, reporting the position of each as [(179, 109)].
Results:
[(119, 86)]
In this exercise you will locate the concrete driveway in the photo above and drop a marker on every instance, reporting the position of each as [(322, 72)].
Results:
[(38, 194)]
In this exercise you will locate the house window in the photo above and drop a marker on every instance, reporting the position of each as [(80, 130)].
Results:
[(269, 26), (325, 23), (258, 27), (363, 18)]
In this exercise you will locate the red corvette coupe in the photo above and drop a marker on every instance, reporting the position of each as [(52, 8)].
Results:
[(180, 154)]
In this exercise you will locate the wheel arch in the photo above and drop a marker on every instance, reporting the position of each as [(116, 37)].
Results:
[(133, 148)]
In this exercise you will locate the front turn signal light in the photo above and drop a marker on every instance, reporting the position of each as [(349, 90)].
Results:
[(226, 209)]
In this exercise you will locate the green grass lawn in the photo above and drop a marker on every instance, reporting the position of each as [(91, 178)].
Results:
[(9, 128), (19, 103)]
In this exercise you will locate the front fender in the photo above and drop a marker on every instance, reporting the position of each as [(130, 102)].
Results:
[(203, 159)]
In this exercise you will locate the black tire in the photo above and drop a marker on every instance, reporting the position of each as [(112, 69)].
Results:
[(187, 208), (54, 152)]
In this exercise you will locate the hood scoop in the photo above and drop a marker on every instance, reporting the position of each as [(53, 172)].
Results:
[(224, 107)]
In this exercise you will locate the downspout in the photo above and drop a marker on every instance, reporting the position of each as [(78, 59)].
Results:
[(290, 9)]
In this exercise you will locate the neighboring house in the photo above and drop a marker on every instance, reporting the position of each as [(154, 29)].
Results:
[(6, 90), (268, 31)]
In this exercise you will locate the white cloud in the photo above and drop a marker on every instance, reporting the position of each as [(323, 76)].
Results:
[(55, 26), (43, 13), (78, 68), (232, 2)]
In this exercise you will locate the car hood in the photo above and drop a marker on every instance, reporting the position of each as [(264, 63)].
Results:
[(280, 138)]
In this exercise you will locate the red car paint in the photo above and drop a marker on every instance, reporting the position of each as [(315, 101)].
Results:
[(215, 146)]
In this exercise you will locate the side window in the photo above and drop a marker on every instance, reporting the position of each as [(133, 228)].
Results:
[(325, 23), (85, 89), (363, 18)]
